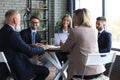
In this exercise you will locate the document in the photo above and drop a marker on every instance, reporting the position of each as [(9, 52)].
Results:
[(60, 36)]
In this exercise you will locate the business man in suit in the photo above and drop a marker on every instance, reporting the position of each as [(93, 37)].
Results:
[(15, 50), (27, 36), (31, 37), (104, 37)]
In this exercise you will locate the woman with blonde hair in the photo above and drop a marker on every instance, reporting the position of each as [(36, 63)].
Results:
[(82, 40), (66, 24)]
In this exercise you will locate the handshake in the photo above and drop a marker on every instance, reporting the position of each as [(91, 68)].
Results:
[(41, 45)]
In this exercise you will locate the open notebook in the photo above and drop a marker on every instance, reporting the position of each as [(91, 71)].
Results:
[(60, 36)]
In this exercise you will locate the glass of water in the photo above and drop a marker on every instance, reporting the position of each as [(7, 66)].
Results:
[(52, 41)]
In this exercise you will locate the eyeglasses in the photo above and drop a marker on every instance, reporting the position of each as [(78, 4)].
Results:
[(34, 22)]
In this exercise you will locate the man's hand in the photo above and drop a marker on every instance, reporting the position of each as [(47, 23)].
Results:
[(37, 45), (41, 45)]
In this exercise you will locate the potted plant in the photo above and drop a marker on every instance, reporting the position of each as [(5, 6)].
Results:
[(45, 6), (44, 17), (43, 26), (37, 13)]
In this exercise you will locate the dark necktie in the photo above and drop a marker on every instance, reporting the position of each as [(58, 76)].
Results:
[(98, 34), (33, 38)]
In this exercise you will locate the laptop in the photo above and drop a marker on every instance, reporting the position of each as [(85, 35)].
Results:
[(60, 36)]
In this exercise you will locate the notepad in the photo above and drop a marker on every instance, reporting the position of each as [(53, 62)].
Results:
[(60, 36)]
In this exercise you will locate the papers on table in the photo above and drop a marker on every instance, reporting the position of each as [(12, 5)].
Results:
[(54, 47), (60, 36)]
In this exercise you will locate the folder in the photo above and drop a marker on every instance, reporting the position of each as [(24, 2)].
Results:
[(60, 36)]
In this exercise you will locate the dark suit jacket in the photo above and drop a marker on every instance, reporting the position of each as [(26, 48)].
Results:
[(104, 42), (15, 50), (26, 36)]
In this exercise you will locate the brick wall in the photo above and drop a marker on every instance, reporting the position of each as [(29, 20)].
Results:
[(5, 5), (56, 8)]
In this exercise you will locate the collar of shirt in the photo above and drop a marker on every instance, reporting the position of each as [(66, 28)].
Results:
[(33, 31), (65, 31), (12, 27), (101, 31)]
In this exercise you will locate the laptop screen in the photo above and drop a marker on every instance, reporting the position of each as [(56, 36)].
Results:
[(60, 36)]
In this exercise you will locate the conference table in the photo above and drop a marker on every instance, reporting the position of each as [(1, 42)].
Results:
[(61, 68)]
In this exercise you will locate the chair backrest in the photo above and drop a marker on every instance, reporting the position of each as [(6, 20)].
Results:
[(99, 58), (3, 59)]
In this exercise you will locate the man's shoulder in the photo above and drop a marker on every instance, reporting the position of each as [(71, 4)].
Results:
[(106, 32), (25, 30), (6, 29)]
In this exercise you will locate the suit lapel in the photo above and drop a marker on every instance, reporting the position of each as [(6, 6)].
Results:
[(101, 33), (29, 35)]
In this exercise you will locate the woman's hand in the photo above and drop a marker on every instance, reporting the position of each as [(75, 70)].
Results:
[(61, 42)]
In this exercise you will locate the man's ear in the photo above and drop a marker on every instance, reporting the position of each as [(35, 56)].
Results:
[(15, 21), (104, 24)]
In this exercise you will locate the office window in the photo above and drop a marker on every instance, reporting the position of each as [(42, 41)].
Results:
[(94, 6), (112, 14), (77, 4)]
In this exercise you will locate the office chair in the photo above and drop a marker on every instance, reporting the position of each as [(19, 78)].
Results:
[(97, 59), (4, 60)]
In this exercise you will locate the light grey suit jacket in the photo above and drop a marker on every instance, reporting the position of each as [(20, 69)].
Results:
[(81, 40)]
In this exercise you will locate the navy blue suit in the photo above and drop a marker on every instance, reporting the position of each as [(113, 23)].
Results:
[(104, 42), (15, 50), (26, 36)]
